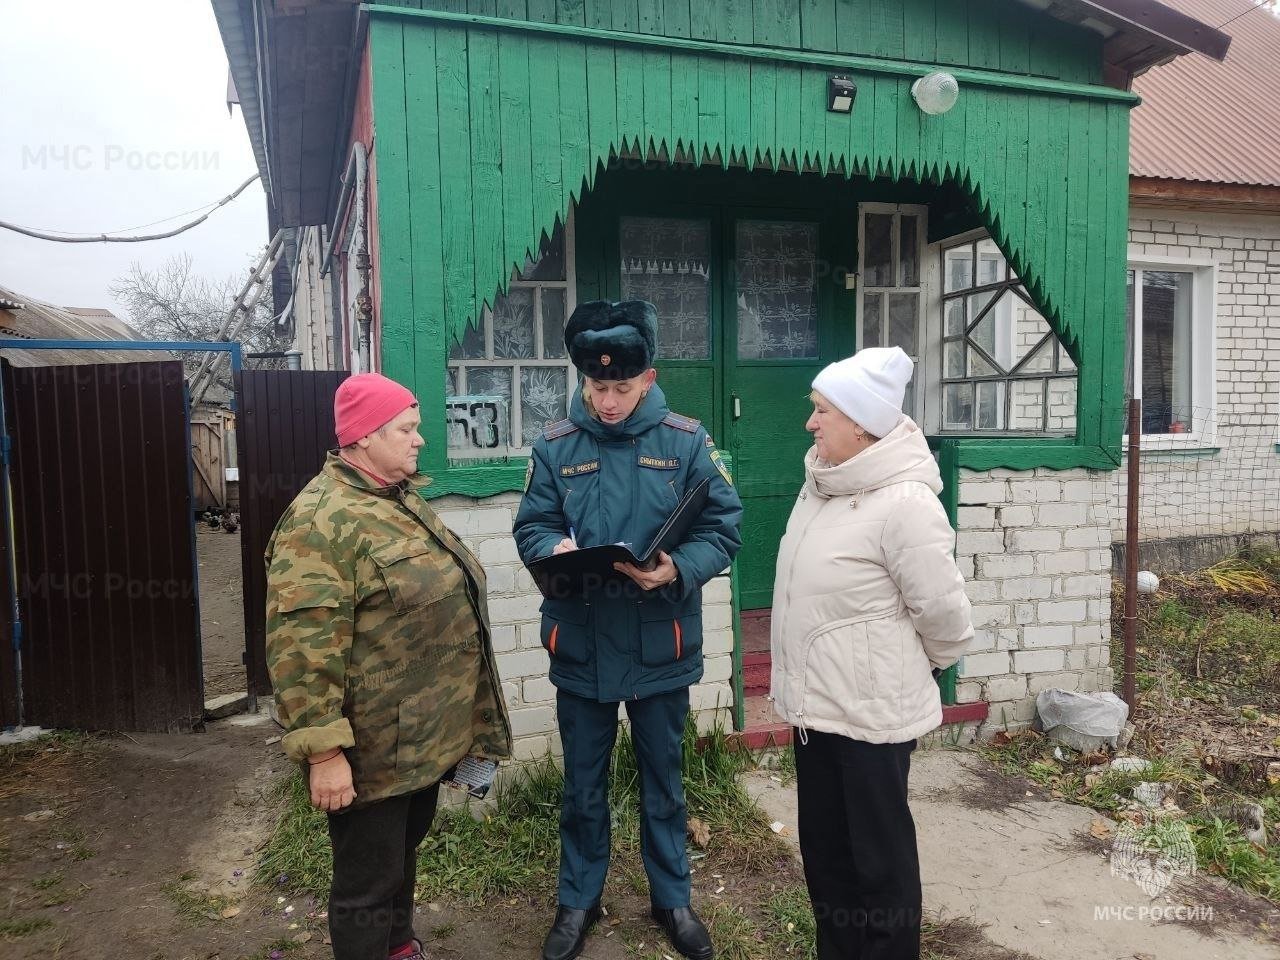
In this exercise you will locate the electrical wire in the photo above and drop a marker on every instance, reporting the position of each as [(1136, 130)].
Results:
[(1256, 6), (105, 238)]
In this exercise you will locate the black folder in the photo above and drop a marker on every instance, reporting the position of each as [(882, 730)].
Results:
[(575, 573)]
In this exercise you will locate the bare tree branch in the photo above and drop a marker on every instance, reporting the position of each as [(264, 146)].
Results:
[(173, 302)]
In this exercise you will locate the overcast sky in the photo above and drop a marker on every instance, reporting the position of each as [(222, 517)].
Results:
[(94, 94)]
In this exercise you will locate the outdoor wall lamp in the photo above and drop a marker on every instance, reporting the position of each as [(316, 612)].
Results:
[(840, 94), (936, 92)]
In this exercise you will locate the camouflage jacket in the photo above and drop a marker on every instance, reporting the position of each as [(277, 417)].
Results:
[(378, 637)]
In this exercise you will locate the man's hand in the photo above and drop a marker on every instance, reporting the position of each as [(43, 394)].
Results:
[(330, 781), (661, 575), (564, 546)]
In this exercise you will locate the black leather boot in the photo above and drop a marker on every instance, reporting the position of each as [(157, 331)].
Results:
[(686, 932), (568, 934)]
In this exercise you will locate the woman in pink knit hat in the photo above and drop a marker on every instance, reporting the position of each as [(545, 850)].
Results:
[(378, 646)]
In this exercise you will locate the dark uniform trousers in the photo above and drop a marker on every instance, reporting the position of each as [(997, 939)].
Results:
[(375, 861), (588, 730), (858, 842)]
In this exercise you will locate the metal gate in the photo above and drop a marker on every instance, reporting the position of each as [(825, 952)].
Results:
[(104, 546), (284, 429)]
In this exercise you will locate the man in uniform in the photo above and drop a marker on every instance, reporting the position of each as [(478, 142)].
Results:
[(613, 472), (378, 648)]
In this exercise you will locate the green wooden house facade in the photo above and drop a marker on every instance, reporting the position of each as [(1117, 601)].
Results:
[(524, 155)]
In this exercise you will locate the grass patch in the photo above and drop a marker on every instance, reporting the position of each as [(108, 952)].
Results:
[(14, 928), (790, 928), (195, 906), (47, 882), (1213, 634), (512, 847), (1221, 849), (282, 945), (297, 857)]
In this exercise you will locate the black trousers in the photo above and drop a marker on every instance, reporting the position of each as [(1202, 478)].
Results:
[(858, 842), (375, 861)]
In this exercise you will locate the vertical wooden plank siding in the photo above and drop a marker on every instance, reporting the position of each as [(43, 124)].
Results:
[(544, 96), (386, 48), (968, 33), (1016, 169), (711, 98), (454, 126), (675, 17), (684, 103), (575, 156), (426, 228), (764, 85), (515, 149), (737, 105), (817, 24), (656, 71), (1053, 261), (572, 12), (853, 25), (919, 38), (486, 167), (1111, 338), (487, 136), (629, 62)]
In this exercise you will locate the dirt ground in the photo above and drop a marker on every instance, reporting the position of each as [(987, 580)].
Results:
[(142, 846), (221, 610), (119, 847)]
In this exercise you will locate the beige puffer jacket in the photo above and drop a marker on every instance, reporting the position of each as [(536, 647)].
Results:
[(868, 597)]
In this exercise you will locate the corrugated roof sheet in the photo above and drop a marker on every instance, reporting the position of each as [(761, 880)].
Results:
[(22, 318), (1214, 122)]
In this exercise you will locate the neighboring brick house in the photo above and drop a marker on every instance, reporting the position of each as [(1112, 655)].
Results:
[(1204, 256), (1204, 259), (477, 168)]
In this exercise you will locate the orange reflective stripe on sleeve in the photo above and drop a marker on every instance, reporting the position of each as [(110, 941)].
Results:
[(679, 639), (551, 643)]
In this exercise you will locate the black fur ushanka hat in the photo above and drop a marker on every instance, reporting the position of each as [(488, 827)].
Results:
[(612, 341)]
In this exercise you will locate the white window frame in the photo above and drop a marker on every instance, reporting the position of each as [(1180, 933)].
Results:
[(921, 213), (570, 286), (1204, 348), (933, 379)]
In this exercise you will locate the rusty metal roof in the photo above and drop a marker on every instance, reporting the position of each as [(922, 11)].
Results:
[(1214, 122), (22, 318)]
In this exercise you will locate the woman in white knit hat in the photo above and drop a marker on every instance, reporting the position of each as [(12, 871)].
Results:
[(868, 605)]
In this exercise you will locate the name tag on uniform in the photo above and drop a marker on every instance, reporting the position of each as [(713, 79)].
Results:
[(578, 469), (660, 463)]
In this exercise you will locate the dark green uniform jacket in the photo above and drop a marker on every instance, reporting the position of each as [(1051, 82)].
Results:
[(618, 483), (378, 635)]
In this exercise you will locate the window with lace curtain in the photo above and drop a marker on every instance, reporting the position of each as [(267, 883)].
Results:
[(510, 375)]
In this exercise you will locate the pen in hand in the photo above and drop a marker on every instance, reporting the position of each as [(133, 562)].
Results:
[(573, 536)]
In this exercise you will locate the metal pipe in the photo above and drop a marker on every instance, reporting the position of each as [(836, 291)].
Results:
[(11, 543), (1131, 559), (357, 164)]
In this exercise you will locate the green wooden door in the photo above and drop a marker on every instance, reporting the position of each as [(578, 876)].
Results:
[(672, 258), (778, 322), (745, 318)]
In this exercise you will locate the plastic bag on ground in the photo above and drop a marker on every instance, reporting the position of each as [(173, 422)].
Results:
[(1082, 721)]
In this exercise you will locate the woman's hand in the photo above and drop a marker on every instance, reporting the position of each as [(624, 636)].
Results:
[(660, 576), (564, 546), (330, 781)]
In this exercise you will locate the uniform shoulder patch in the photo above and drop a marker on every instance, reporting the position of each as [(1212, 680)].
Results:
[(561, 428), (687, 424)]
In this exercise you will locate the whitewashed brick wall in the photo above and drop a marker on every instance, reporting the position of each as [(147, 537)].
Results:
[(1034, 548), (1238, 489), (484, 525)]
